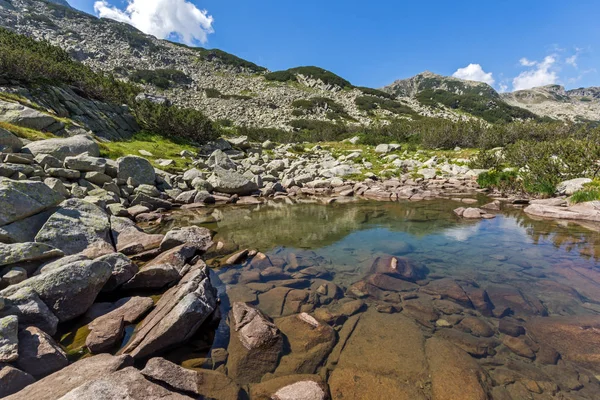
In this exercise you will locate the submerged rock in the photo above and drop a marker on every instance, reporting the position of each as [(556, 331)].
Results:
[(398, 267), (255, 345)]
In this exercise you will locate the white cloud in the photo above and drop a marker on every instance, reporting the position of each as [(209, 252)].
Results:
[(162, 18), (540, 75), (572, 60), (502, 87), (474, 72), (525, 62)]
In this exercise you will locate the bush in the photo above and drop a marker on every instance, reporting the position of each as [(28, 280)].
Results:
[(500, 180), (370, 104), (486, 159), (375, 92), (590, 192), (161, 78), (327, 77), (333, 109)]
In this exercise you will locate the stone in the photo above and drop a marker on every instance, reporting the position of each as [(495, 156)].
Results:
[(58, 186), (97, 178), (220, 159), (164, 269), (126, 384), (9, 341), (382, 148), (293, 387), (39, 355), (206, 383), (106, 333), (78, 227), (472, 213), (63, 173), (454, 374), (63, 148), (23, 252), (13, 276), (122, 270), (571, 186), (518, 346), (25, 229), (85, 163), (13, 380), (398, 267), (22, 199), (137, 168), (510, 328), (9, 142), (310, 342), (199, 237), (26, 305), (177, 316), (60, 383), (477, 347), (255, 345), (448, 288), (476, 327), (588, 211), (68, 290), (131, 240), (231, 182)]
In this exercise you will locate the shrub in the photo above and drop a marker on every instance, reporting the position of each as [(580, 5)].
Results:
[(501, 180), (327, 77), (486, 159), (590, 192), (161, 78), (333, 109), (371, 103), (375, 92)]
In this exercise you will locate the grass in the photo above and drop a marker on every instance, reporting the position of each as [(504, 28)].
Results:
[(159, 146), (26, 133), (590, 192)]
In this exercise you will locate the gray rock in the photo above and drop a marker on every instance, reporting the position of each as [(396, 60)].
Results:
[(186, 197), (22, 199), (52, 265), (13, 276), (18, 114), (22, 252), (220, 159), (85, 163), (122, 270), (199, 237), (69, 290), (9, 341), (155, 202), (241, 142), (63, 173), (39, 355), (200, 184), (571, 186), (137, 168), (13, 380), (129, 239), (177, 315), (78, 227), (428, 173), (97, 178), (268, 145), (9, 142), (383, 148), (190, 175), (58, 186), (231, 182), (63, 148), (31, 311), (148, 190)]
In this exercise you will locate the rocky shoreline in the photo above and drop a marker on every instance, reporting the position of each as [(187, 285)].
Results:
[(69, 236)]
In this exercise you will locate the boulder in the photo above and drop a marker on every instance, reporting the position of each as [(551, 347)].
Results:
[(255, 344), (398, 267), (22, 199), (199, 237), (68, 290), (231, 182), (78, 227), (137, 168), (177, 315), (25, 229), (219, 159), (131, 240), (12, 380), (205, 383), (292, 387), (60, 383), (24, 252), (9, 142), (571, 186), (448, 288), (122, 270), (26, 305), (63, 148), (20, 115), (39, 355), (588, 211), (128, 384), (164, 269), (85, 163), (9, 341)]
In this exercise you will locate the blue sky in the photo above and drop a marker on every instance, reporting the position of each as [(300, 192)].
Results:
[(520, 43)]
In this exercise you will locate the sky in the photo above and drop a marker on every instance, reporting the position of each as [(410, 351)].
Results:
[(509, 44)]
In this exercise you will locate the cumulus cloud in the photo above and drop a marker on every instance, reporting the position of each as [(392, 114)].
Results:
[(162, 18), (474, 72), (540, 75), (526, 63)]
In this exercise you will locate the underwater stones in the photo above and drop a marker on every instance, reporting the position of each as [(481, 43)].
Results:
[(373, 360), (206, 383), (62, 148), (476, 327), (292, 387), (310, 341), (272, 302), (177, 315), (454, 374), (23, 252), (398, 267), (480, 300), (448, 288), (78, 227), (508, 299), (9, 342), (30, 310), (255, 345), (201, 238), (387, 282), (22, 199), (518, 346), (511, 328), (68, 290), (477, 347), (164, 269), (39, 355), (137, 168)]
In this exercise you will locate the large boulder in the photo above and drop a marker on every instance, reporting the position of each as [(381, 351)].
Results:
[(177, 315), (12, 380), (63, 148), (78, 227), (9, 142), (199, 237), (68, 290), (26, 305), (22, 199), (231, 182), (85, 163), (23, 252), (122, 270), (24, 230), (219, 159), (131, 240), (9, 342), (571, 186), (60, 383), (18, 114), (291, 387), (137, 168), (39, 355), (255, 345)]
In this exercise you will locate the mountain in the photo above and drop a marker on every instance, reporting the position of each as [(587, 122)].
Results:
[(554, 101), (239, 92)]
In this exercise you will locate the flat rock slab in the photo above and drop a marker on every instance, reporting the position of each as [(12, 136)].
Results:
[(23, 252), (131, 240), (292, 387), (62, 148), (589, 211)]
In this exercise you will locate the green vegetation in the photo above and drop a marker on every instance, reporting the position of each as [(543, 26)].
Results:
[(501, 180), (290, 75), (371, 103), (590, 192), (333, 109), (375, 92), (222, 57), (213, 93), (161, 78), (158, 145), (25, 133)]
